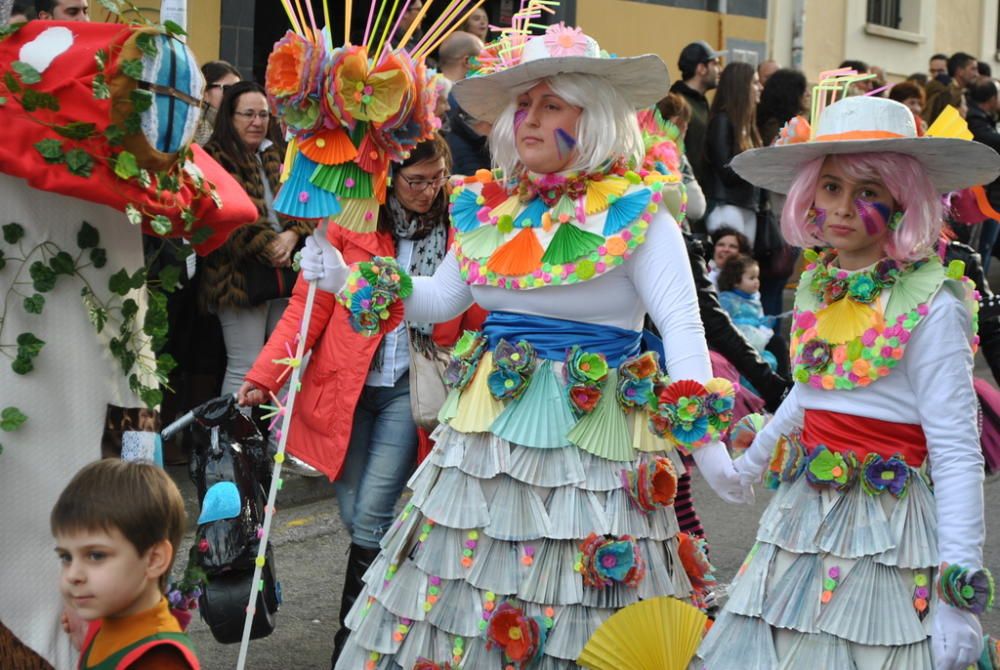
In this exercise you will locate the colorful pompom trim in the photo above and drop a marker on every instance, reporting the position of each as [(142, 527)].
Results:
[(965, 589), (691, 414), (372, 295)]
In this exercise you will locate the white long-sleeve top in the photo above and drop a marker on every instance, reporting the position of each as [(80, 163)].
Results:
[(931, 386), (655, 279)]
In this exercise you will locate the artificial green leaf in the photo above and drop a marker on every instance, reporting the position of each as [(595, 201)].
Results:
[(51, 150), (99, 257), (161, 225), (132, 68), (28, 345), (114, 134), (76, 130), (141, 100), (133, 214), (3, 101), (182, 251), (138, 278), (13, 85), (98, 316), (9, 29), (170, 278), (126, 165), (102, 59), (118, 283), (32, 100), (187, 216), (147, 44), (129, 309), (11, 418), (99, 88), (151, 396), (201, 235), (112, 6), (62, 264), (34, 304), (87, 237), (28, 74), (145, 180), (168, 182), (79, 162), (22, 365), (133, 124), (165, 364), (43, 278), (156, 322), (173, 28), (12, 233)]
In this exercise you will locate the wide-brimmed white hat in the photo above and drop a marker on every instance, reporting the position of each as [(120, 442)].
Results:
[(508, 63), (865, 124)]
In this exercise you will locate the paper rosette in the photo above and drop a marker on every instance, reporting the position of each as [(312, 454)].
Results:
[(373, 294), (691, 414)]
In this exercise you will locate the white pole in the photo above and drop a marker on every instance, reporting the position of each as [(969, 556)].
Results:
[(279, 458)]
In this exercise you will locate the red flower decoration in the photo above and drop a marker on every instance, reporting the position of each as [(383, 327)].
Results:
[(427, 664), (584, 397), (518, 635)]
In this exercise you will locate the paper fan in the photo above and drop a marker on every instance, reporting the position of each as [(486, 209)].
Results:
[(329, 147), (519, 256), (625, 210), (658, 634), (481, 242), (599, 190), (845, 320), (571, 243), (494, 194), (465, 211), (477, 408), (604, 432)]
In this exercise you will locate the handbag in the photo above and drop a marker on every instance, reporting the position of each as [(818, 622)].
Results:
[(266, 282), (427, 389), (775, 256)]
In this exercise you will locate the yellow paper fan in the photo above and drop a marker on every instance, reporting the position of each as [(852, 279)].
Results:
[(508, 206), (845, 320), (359, 214), (643, 438), (477, 408), (949, 123), (658, 634), (598, 192)]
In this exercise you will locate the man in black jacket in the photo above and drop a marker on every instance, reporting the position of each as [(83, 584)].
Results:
[(981, 117), (699, 66)]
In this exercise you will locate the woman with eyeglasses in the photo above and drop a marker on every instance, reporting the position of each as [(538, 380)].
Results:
[(247, 281), (219, 75), (371, 393)]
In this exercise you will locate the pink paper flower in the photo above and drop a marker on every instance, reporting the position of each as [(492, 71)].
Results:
[(563, 40)]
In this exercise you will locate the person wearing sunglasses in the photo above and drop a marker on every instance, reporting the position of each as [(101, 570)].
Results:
[(219, 75)]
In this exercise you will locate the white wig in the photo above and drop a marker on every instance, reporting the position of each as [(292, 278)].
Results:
[(606, 130)]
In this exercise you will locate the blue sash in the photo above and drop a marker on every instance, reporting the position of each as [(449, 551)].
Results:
[(551, 338)]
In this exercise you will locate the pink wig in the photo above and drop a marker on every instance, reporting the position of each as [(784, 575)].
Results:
[(907, 182)]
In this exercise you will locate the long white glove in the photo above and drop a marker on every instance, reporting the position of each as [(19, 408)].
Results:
[(323, 264), (957, 640), (717, 468), (754, 461)]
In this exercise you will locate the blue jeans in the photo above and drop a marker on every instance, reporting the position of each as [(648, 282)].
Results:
[(380, 458)]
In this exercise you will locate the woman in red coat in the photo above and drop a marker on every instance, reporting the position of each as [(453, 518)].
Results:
[(352, 419)]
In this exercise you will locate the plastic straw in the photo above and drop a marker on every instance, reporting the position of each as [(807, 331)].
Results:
[(416, 22), (447, 33), (436, 26), (312, 18), (399, 17), (371, 13), (279, 458), (385, 31), (291, 16)]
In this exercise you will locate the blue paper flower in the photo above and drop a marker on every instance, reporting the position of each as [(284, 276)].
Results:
[(506, 383), (613, 560)]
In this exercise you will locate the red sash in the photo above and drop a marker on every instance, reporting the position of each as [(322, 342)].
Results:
[(863, 436)]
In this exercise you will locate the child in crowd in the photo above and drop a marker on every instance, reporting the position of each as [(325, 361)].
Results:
[(739, 293), (117, 525)]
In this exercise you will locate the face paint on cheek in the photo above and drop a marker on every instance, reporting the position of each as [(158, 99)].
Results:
[(817, 217), (565, 143), (519, 117), (874, 215)]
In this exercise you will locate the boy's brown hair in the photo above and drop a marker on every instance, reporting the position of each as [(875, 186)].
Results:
[(138, 499)]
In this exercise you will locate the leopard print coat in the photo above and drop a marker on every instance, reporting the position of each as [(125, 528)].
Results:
[(223, 281)]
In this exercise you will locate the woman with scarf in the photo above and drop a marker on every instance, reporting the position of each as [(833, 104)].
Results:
[(546, 504)]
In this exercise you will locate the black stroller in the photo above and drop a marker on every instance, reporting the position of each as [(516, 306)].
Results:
[(231, 469)]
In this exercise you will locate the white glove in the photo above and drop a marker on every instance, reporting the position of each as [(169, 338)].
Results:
[(717, 469), (322, 263), (957, 640)]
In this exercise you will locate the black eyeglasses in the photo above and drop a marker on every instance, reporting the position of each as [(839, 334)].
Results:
[(223, 87), (423, 184)]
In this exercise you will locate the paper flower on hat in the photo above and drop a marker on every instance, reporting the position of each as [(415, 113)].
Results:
[(563, 40), (796, 130), (294, 69), (519, 636), (368, 95)]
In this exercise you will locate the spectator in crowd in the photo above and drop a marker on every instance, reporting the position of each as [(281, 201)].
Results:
[(983, 106), (938, 66), (465, 135), (406, 20), (63, 10), (477, 24), (675, 109), (912, 95), (766, 69), (726, 243), (21, 12), (219, 75), (861, 67), (940, 96), (879, 82), (739, 295), (699, 66), (919, 78), (732, 129), (984, 69), (241, 278), (963, 69)]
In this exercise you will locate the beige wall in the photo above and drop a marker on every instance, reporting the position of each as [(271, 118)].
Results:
[(204, 24), (824, 36), (632, 28)]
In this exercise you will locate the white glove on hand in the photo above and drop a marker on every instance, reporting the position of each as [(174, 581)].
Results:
[(750, 466), (957, 640), (717, 469), (323, 264)]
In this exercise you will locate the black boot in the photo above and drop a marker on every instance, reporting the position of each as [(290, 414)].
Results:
[(358, 561)]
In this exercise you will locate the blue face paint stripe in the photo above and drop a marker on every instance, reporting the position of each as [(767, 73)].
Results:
[(565, 143)]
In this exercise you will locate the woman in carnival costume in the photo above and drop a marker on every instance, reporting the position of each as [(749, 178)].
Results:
[(546, 504), (870, 553)]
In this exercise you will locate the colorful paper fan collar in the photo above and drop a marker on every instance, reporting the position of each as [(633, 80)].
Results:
[(97, 112), (518, 57), (591, 228), (862, 124), (841, 342), (353, 109)]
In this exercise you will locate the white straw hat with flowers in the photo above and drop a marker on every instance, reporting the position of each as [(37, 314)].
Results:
[(518, 58), (867, 124)]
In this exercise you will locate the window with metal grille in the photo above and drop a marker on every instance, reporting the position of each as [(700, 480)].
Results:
[(884, 13)]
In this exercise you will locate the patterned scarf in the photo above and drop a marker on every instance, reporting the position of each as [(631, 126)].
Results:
[(429, 234)]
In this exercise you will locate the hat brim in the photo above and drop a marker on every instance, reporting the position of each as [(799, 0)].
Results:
[(952, 164), (642, 81)]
